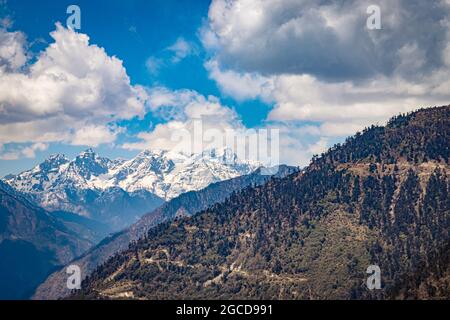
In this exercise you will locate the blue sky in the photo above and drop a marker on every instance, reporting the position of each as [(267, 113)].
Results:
[(312, 70), (133, 31)]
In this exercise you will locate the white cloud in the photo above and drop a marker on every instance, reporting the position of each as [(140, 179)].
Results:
[(11, 155), (153, 65), (94, 135), (70, 94), (171, 55), (299, 143), (317, 62), (162, 98), (181, 49), (30, 152), (183, 110), (18, 152), (241, 86), (12, 50), (326, 39), (324, 72), (302, 97), (319, 147), (347, 104)]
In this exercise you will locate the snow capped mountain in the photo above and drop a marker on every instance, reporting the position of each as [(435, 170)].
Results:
[(58, 184), (58, 171), (169, 174), (84, 184), (163, 173)]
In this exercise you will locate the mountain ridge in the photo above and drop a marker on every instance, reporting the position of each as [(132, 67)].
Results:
[(120, 191), (184, 205), (381, 199)]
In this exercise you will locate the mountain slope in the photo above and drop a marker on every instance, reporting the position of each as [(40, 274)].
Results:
[(185, 205), (32, 244), (88, 229), (381, 199)]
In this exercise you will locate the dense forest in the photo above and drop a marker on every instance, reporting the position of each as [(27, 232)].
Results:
[(380, 198), (184, 205)]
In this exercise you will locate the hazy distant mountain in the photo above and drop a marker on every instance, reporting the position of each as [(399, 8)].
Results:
[(118, 192), (381, 198), (33, 243), (91, 230), (184, 205)]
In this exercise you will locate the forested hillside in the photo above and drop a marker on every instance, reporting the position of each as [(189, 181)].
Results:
[(381, 199), (186, 204)]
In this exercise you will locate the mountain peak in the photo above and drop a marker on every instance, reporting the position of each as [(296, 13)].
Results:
[(225, 153), (53, 162), (88, 153), (57, 156), (151, 152), (161, 172), (88, 164)]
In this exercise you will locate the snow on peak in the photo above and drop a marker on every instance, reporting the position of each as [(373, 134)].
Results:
[(57, 157), (164, 173), (87, 152)]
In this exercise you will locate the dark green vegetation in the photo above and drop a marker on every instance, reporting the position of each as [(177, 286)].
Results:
[(380, 198), (185, 205)]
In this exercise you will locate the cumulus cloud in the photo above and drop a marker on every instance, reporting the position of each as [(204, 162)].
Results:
[(186, 113), (348, 104), (94, 135), (303, 97), (71, 93), (326, 39), (241, 86), (30, 152), (191, 118), (13, 53), (317, 62)]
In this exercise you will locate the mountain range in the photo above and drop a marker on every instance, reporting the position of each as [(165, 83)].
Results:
[(118, 192), (61, 208), (211, 226), (379, 199), (184, 205)]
